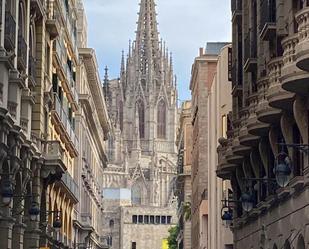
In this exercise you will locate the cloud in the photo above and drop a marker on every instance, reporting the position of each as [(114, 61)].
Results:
[(184, 25)]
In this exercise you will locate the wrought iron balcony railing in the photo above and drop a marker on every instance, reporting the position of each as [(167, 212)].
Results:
[(10, 31), (22, 52), (70, 183)]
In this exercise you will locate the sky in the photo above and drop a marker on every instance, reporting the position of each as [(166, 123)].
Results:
[(185, 25)]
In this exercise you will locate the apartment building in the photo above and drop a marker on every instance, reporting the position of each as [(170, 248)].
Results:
[(265, 154), (40, 105), (202, 74), (184, 188), (219, 108)]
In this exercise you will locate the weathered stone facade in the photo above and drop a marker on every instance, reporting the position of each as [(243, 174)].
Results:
[(269, 121), (142, 152)]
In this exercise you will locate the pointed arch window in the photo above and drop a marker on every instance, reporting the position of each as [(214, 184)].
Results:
[(136, 194), (161, 119), (141, 117)]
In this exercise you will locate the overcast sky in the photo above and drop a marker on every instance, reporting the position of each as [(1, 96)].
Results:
[(185, 25)]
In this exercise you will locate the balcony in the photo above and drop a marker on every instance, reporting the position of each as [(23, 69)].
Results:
[(52, 25), (86, 221), (245, 138), (293, 79), (250, 55), (54, 155), (254, 126), (224, 168), (264, 112), (60, 57), (276, 96), (64, 126), (10, 32), (268, 20), (70, 186), (237, 147), (230, 156), (302, 48), (236, 10), (22, 53)]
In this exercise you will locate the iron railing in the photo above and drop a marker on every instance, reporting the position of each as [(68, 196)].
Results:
[(70, 183), (236, 5), (32, 68), (10, 31), (268, 13), (250, 47), (65, 120)]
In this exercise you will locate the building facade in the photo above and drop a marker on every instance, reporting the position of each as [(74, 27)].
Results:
[(269, 125), (219, 108), (39, 110), (184, 187), (142, 152), (92, 126)]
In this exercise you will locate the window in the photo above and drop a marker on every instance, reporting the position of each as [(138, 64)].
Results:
[(151, 219), (158, 220), (169, 219), (163, 219), (161, 119), (134, 219), (136, 195), (141, 117), (133, 245), (140, 219), (146, 219), (111, 224)]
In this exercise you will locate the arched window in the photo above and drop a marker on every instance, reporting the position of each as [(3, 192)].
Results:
[(136, 194), (141, 116), (161, 119), (301, 242)]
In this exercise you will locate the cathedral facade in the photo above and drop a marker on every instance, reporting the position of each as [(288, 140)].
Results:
[(142, 105)]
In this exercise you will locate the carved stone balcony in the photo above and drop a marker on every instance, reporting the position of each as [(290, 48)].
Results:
[(293, 79), (224, 168), (264, 112), (54, 156), (53, 25), (245, 138), (302, 48), (278, 97), (238, 148), (254, 126)]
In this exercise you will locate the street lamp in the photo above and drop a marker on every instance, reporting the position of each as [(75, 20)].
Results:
[(7, 192), (227, 217), (282, 169), (246, 202), (34, 211), (57, 224)]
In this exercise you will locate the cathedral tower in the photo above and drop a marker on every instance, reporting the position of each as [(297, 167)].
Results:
[(143, 108)]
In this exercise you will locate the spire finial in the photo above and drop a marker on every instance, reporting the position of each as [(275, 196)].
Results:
[(106, 80), (122, 63)]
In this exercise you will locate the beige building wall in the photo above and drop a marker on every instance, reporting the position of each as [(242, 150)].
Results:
[(203, 70), (219, 106)]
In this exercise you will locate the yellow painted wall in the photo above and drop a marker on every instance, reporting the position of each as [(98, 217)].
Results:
[(164, 244)]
